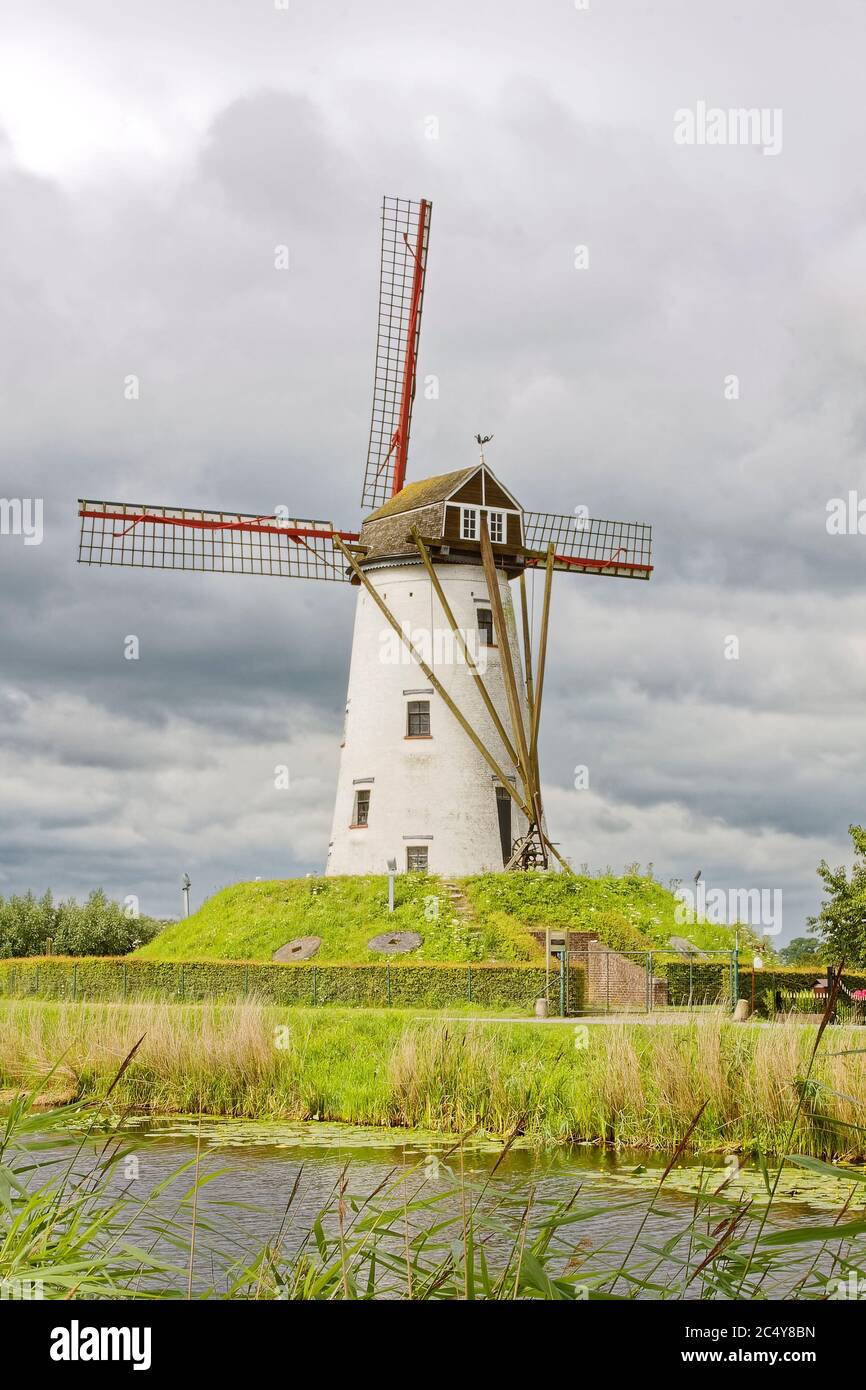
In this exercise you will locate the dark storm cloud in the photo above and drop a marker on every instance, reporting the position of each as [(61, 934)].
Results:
[(148, 248)]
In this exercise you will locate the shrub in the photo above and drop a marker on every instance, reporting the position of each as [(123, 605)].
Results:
[(30, 926), (428, 985), (697, 982), (806, 1001), (793, 1001), (790, 980)]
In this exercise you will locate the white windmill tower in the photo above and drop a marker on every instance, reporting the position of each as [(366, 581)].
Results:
[(412, 786), (439, 761)]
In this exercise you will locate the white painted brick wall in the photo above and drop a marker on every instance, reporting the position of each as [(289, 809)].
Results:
[(441, 787)]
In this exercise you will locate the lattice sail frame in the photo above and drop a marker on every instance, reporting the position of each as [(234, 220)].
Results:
[(584, 545), (405, 238), (179, 538)]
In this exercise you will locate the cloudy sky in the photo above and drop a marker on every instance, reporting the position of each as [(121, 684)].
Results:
[(152, 157)]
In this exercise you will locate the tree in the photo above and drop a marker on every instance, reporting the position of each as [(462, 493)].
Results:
[(803, 950), (26, 923), (98, 927), (842, 919)]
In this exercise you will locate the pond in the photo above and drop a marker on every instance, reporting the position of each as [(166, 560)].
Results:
[(269, 1182)]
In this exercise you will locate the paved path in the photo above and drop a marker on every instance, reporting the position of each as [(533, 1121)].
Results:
[(594, 1020)]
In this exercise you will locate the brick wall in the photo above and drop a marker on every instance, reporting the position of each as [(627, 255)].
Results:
[(613, 981)]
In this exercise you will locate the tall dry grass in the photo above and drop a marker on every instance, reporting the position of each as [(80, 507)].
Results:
[(631, 1085)]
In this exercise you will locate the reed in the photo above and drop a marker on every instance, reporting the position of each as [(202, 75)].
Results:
[(71, 1236), (447, 1237), (629, 1085)]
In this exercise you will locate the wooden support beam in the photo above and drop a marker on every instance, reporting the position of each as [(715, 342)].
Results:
[(530, 694), (556, 854), (528, 758), (512, 863), (534, 704), (527, 640), (511, 689), (542, 655), (476, 674), (434, 680)]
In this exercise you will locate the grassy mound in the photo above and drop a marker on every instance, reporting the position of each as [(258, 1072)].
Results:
[(628, 914), (250, 921)]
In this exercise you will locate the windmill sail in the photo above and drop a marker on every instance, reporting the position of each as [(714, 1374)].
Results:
[(405, 235), (622, 549), (178, 538)]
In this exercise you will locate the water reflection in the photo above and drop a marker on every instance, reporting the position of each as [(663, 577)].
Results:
[(269, 1182)]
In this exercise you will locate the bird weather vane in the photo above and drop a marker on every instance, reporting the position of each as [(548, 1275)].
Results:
[(410, 756)]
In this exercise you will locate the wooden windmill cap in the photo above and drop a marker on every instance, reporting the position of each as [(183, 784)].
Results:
[(422, 493), (432, 505)]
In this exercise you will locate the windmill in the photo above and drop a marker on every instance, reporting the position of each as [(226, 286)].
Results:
[(439, 760)]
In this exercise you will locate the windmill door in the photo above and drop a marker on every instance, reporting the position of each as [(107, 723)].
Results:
[(503, 806)]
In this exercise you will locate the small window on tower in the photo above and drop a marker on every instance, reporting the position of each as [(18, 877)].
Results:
[(495, 525), (361, 813), (469, 527), (416, 859), (418, 725), (484, 619)]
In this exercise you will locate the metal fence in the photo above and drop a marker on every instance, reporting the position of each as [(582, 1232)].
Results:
[(645, 982)]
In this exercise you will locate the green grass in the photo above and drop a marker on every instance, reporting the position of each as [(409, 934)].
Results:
[(636, 1085), (250, 921), (632, 912)]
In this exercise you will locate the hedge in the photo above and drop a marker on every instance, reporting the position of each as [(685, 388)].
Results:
[(709, 982), (794, 978), (428, 984)]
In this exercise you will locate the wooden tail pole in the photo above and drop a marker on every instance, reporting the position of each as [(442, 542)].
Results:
[(476, 675), (542, 653), (527, 766), (527, 641), (535, 702), (530, 694), (511, 690), (433, 678)]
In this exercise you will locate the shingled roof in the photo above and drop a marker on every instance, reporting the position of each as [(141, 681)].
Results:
[(423, 493)]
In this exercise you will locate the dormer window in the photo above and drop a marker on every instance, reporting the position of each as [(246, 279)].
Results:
[(470, 526), (475, 497)]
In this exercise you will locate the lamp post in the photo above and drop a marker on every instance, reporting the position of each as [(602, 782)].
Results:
[(392, 869), (186, 887), (697, 877), (757, 964)]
